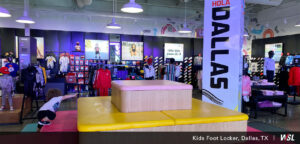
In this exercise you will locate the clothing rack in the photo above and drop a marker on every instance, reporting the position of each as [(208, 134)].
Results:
[(32, 99), (295, 102)]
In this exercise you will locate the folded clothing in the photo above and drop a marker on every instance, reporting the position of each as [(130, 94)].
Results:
[(268, 104), (268, 92), (279, 93), (272, 93)]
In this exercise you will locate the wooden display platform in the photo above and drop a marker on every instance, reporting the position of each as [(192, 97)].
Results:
[(98, 114), (7, 116), (151, 95)]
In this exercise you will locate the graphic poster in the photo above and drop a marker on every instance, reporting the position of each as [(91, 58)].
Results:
[(97, 49), (173, 50), (40, 47), (132, 50)]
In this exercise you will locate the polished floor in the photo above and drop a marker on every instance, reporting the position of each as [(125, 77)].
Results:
[(266, 121)]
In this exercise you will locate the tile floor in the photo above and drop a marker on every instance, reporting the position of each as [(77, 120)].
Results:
[(266, 121)]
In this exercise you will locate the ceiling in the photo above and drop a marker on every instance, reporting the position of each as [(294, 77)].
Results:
[(152, 8)]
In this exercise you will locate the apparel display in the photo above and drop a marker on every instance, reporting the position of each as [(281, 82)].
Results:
[(7, 86), (294, 76), (28, 77), (64, 64), (269, 69), (149, 71), (102, 81), (13, 69), (50, 62)]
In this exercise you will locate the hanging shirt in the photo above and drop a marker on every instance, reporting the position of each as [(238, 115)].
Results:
[(246, 83), (50, 62), (149, 71), (44, 74), (177, 71), (294, 76), (12, 68), (64, 63), (39, 76), (97, 78), (106, 79), (198, 60), (289, 60), (52, 105), (269, 65), (28, 77), (103, 79), (170, 72)]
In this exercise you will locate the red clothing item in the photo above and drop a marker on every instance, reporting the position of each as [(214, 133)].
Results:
[(97, 82), (105, 79), (294, 76), (102, 82), (102, 92)]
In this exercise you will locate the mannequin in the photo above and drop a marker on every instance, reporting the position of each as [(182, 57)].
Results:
[(269, 67), (7, 87), (149, 71), (13, 69), (77, 47)]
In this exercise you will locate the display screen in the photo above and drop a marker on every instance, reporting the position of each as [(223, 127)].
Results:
[(277, 48), (132, 50), (174, 50), (97, 49)]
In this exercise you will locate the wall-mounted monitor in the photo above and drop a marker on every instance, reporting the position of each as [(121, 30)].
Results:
[(132, 50), (97, 49), (174, 50), (277, 48)]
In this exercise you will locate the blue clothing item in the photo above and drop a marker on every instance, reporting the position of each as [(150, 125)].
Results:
[(297, 60), (13, 69), (297, 56), (289, 60)]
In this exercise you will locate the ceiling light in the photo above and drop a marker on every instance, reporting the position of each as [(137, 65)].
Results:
[(185, 29), (113, 25), (25, 18), (4, 12), (297, 25), (132, 7)]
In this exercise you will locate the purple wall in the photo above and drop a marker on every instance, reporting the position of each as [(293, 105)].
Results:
[(77, 37), (60, 41)]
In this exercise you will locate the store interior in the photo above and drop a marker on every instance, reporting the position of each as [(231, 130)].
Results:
[(97, 50)]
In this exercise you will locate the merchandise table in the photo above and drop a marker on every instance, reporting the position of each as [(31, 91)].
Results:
[(99, 114), (257, 96)]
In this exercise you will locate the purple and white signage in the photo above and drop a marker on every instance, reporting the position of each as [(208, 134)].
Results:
[(222, 54)]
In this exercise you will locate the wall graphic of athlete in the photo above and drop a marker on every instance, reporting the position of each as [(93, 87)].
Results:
[(133, 50), (97, 51)]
